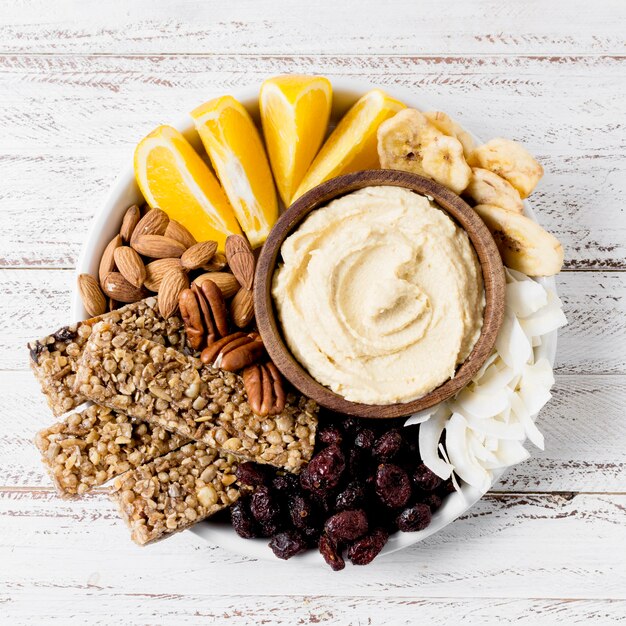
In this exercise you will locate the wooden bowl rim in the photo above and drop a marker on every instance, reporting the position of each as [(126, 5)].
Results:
[(451, 203)]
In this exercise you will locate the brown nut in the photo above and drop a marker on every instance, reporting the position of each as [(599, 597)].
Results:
[(241, 356), (215, 300), (107, 261), (154, 222), (172, 285), (130, 220), (158, 246), (209, 354), (242, 308), (265, 390), (130, 265), (240, 259), (90, 293), (117, 287), (192, 317), (175, 230), (217, 263), (198, 255)]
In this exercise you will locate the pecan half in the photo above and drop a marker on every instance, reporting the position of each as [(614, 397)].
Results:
[(234, 352), (204, 313), (265, 389)]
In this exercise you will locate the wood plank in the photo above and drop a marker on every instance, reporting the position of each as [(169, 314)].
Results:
[(185, 26), (38, 301), (75, 606), (515, 546), (71, 144), (579, 456)]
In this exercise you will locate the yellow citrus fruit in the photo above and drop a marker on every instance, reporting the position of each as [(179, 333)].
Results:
[(238, 156), (173, 177), (294, 113), (352, 145)]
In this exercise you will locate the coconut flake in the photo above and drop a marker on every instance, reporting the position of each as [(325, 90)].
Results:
[(512, 343), (525, 297), (429, 436), (465, 464), (421, 416), (545, 320), (481, 403)]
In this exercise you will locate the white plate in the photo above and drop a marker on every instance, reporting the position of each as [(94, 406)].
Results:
[(106, 225)]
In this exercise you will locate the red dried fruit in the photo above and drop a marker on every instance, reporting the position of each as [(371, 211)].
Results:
[(346, 525), (330, 435), (393, 486), (324, 470), (352, 497), (251, 474), (414, 518), (241, 519), (263, 505), (365, 439), (286, 484), (364, 550), (301, 511), (388, 445), (425, 479), (433, 501), (288, 544), (329, 550)]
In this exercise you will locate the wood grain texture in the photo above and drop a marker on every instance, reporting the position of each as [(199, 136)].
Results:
[(36, 302), (565, 109), (183, 26), (515, 546)]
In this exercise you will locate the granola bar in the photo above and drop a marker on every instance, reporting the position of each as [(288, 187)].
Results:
[(89, 448), (175, 491), (54, 358), (160, 385)]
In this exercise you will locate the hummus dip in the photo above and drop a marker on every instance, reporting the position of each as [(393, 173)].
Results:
[(380, 295)]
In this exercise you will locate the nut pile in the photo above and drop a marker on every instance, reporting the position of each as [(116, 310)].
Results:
[(153, 253), (364, 483)]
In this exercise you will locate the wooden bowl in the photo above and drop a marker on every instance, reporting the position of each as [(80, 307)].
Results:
[(457, 209)]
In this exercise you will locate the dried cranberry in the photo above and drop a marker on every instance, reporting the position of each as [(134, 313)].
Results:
[(393, 486), (414, 518), (288, 544), (352, 497), (301, 511), (388, 445), (271, 527), (346, 525), (433, 501), (325, 500), (425, 479), (365, 439), (324, 470), (286, 484), (263, 505), (330, 435), (364, 550), (65, 334), (241, 519), (252, 474), (351, 424), (329, 550)]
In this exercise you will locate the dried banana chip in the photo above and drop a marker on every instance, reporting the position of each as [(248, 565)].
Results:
[(485, 187), (402, 139), (523, 244), (443, 122), (511, 161), (443, 160)]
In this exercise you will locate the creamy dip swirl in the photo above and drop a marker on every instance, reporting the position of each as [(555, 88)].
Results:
[(380, 295)]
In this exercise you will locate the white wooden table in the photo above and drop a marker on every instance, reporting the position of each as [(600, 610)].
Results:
[(81, 82)]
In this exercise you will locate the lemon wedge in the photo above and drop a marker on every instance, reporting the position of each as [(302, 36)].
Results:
[(172, 176), (294, 113), (352, 145), (236, 150)]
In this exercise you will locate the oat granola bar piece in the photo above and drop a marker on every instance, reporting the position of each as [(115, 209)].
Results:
[(89, 448), (160, 385), (175, 491), (54, 358)]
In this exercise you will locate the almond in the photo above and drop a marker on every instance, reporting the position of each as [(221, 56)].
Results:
[(107, 262), (130, 265), (242, 308), (154, 222), (173, 284), (240, 259), (130, 221), (158, 246), (117, 287), (227, 283), (198, 255), (90, 293), (217, 263), (175, 230), (156, 270)]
